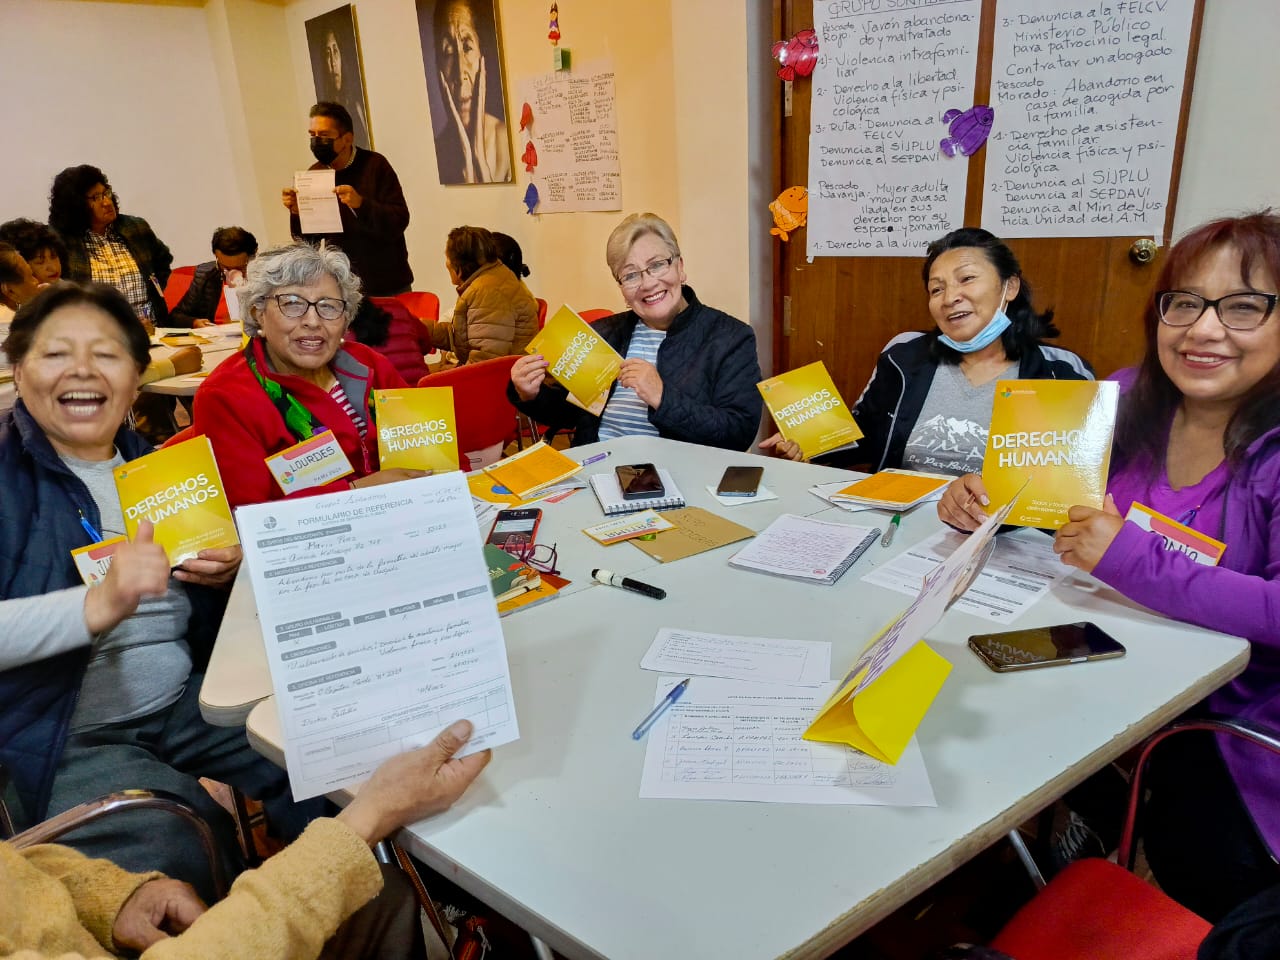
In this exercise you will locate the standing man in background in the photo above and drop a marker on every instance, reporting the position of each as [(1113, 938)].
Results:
[(374, 212)]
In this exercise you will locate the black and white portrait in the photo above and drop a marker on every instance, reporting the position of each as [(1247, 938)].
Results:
[(460, 56), (335, 67)]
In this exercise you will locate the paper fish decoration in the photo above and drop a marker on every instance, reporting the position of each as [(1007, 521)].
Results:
[(969, 130), (798, 56), (553, 31), (531, 197), (526, 116), (529, 157), (790, 211)]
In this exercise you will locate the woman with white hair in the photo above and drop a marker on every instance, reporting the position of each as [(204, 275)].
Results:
[(689, 371), (296, 380)]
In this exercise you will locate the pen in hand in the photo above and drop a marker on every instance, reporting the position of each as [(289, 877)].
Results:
[(891, 530), (675, 694)]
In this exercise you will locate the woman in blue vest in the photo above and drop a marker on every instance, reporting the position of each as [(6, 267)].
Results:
[(99, 684)]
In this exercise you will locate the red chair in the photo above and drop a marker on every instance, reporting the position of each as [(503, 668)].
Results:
[(542, 312), (176, 287), (485, 417), (591, 316), (423, 305), (186, 433), (1098, 910)]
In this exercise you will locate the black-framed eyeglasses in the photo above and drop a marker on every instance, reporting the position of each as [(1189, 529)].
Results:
[(294, 307), (537, 555), (1236, 311), (655, 269)]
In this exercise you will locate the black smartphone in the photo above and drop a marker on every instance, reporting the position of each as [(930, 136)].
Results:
[(740, 482), (639, 481), (515, 530), (1045, 647)]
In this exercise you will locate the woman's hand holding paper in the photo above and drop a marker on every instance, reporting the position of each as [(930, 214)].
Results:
[(963, 504), (1088, 533)]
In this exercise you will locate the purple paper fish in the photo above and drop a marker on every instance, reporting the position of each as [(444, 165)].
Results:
[(969, 130), (531, 197)]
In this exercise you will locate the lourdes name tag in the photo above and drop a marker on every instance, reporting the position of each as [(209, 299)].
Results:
[(311, 463), (1200, 548), (93, 561)]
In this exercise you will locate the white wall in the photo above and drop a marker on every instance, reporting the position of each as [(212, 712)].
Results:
[(131, 89), (1229, 164)]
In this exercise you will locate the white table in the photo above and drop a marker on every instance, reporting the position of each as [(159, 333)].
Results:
[(555, 836), (214, 350)]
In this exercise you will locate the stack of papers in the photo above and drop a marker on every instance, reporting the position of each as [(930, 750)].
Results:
[(801, 548), (896, 490), (533, 471)]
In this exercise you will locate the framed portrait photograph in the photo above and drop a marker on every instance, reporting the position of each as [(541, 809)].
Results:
[(336, 68), (460, 57)]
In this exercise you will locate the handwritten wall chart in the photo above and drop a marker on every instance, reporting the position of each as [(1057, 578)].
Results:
[(575, 131), (1086, 94), (878, 183)]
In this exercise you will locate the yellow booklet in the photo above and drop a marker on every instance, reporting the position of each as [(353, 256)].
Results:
[(580, 359), (417, 428), (893, 489), (1056, 434), (531, 470), (178, 489), (808, 409)]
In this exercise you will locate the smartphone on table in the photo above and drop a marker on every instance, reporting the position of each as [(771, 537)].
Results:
[(639, 481), (1045, 647), (740, 482), (515, 530)]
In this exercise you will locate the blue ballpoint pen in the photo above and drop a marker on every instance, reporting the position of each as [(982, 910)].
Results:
[(596, 459), (676, 692), (88, 528)]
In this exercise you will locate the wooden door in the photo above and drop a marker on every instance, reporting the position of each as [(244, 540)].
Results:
[(842, 310)]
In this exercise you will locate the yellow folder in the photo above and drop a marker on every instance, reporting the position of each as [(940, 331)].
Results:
[(178, 489), (808, 409), (417, 428), (580, 359)]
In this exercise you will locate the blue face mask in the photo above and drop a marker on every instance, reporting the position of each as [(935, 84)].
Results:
[(998, 324)]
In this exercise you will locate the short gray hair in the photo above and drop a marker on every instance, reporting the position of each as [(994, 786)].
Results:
[(630, 230), (290, 266)]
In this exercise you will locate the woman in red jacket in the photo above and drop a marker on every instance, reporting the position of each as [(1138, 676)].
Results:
[(296, 381)]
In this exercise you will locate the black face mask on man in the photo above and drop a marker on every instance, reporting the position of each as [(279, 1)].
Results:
[(322, 149)]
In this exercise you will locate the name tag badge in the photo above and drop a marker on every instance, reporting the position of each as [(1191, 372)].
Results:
[(93, 561), (1200, 548), (311, 463)]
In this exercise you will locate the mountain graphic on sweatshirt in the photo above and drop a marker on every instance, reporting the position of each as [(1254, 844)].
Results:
[(943, 434)]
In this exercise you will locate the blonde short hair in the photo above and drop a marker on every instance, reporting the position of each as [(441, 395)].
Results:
[(630, 230)]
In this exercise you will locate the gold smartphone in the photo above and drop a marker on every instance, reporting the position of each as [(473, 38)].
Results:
[(1044, 647)]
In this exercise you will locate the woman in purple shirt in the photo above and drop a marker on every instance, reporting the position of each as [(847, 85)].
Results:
[(1198, 439)]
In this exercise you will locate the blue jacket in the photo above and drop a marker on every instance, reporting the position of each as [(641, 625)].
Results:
[(40, 511)]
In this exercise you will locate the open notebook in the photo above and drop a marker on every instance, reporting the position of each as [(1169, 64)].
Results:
[(801, 548), (609, 493)]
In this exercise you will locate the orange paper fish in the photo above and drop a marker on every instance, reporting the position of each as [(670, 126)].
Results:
[(526, 116), (790, 211)]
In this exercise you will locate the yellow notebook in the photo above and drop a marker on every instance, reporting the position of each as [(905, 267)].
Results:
[(1054, 435), (580, 359), (531, 470), (178, 489), (808, 409), (892, 489), (417, 428)]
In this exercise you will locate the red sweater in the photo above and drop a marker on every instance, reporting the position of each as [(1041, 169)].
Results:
[(245, 428), (408, 339)]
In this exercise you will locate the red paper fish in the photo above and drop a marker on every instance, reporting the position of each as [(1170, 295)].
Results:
[(798, 56), (526, 116), (530, 157)]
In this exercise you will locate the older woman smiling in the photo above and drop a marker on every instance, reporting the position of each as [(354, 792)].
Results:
[(100, 684), (296, 379)]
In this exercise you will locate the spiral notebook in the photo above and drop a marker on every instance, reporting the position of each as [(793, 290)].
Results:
[(609, 493), (801, 548)]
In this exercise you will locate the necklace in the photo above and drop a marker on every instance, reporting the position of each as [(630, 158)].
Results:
[(350, 161)]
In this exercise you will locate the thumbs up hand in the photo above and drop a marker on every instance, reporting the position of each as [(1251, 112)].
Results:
[(138, 569)]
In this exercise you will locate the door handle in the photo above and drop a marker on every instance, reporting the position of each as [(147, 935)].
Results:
[(1143, 251)]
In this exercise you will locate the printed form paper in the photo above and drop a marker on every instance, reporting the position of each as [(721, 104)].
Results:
[(317, 203), (738, 740), (379, 624), (1021, 570), (739, 658)]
